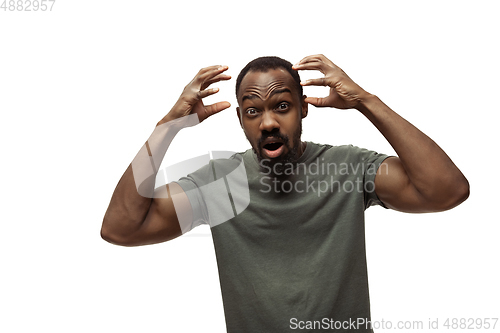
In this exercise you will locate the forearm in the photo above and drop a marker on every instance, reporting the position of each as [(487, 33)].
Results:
[(133, 195), (427, 166)]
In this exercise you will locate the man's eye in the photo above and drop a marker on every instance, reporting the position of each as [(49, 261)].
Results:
[(283, 106), (251, 112)]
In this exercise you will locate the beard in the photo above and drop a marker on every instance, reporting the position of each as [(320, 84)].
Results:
[(279, 164)]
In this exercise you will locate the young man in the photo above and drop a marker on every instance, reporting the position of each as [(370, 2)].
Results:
[(287, 216)]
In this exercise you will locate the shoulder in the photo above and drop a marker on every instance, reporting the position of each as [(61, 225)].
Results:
[(346, 150)]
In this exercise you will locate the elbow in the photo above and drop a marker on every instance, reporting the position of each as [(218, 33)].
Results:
[(463, 191), (457, 194), (108, 236), (113, 237)]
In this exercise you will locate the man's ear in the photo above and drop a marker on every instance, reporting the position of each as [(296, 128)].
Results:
[(238, 114), (305, 106)]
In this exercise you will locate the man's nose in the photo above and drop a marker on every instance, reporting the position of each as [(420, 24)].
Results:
[(268, 122)]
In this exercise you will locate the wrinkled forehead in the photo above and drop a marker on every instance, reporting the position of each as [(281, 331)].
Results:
[(262, 84)]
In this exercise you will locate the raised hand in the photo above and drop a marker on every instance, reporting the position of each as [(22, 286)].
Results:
[(190, 101), (344, 92)]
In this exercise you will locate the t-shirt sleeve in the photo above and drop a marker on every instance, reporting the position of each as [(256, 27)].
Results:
[(217, 192), (191, 187), (371, 162)]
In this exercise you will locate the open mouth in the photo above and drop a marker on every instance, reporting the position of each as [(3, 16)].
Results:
[(273, 146), (273, 149)]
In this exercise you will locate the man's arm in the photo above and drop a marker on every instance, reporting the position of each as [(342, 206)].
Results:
[(138, 214), (422, 178)]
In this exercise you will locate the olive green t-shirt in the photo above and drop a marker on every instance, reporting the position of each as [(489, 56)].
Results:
[(290, 250)]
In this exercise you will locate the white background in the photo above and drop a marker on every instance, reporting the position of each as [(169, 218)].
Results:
[(82, 87)]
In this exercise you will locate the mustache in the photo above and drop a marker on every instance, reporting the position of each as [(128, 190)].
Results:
[(273, 134)]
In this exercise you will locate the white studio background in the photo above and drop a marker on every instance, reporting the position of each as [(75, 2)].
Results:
[(82, 87)]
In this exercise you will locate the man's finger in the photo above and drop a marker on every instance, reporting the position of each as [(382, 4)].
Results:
[(210, 72), (210, 69), (319, 58), (316, 101), (207, 92), (314, 65), (216, 107), (217, 78), (314, 82), (316, 57)]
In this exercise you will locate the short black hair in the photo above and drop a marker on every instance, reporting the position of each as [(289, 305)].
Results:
[(263, 64)]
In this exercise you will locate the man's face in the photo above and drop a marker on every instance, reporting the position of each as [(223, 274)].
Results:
[(270, 112)]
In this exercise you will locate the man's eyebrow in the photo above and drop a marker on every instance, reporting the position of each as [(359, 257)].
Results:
[(277, 91)]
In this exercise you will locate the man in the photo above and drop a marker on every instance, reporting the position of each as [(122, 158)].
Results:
[(287, 216)]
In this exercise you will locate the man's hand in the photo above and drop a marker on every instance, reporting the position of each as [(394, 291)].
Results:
[(422, 178), (190, 101), (344, 92)]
